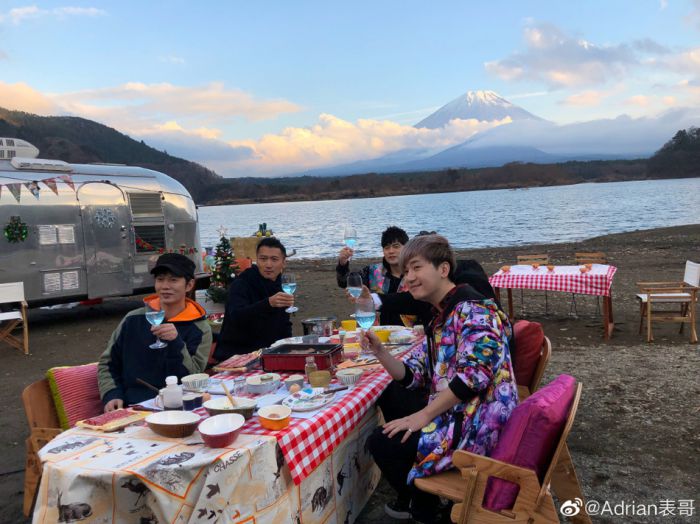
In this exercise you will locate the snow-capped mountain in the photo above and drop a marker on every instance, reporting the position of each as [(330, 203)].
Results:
[(478, 105)]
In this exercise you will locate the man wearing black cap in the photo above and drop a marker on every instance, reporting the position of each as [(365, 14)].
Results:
[(128, 356)]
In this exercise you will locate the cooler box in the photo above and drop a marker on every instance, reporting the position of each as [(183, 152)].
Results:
[(292, 357)]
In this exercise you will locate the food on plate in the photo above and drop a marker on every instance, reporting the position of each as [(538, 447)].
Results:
[(550, 267), (113, 420), (294, 388), (505, 269), (535, 266)]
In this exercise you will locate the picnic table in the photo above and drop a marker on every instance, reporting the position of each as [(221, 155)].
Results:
[(318, 469), (568, 279)]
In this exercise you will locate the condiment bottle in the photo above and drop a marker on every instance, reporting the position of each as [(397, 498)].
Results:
[(172, 394), (310, 367)]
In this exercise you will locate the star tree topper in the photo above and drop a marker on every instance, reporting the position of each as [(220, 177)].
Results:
[(223, 232)]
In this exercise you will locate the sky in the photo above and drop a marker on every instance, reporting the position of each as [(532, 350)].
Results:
[(276, 87)]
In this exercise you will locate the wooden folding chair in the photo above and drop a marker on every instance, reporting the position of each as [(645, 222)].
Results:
[(466, 485), (43, 427), (528, 260), (680, 294), (592, 257), (13, 293)]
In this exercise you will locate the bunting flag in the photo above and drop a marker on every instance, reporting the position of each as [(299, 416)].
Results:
[(51, 184), (68, 180), (33, 188), (15, 189)]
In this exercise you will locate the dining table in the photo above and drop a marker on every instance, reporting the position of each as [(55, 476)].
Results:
[(590, 279), (316, 470)]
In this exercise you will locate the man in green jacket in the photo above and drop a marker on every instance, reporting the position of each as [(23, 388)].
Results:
[(185, 329)]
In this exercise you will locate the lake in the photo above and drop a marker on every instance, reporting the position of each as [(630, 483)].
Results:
[(469, 219)]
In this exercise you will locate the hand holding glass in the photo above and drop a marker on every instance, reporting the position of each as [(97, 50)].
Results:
[(289, 285), (365, 313), (155, 317), (355, 284)]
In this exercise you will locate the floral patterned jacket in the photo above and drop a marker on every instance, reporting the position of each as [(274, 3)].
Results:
[(467, 352)]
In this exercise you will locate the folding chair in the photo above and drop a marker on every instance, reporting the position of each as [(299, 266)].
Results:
[(594, 257), (683, 294), (528, 260), (13, 293)]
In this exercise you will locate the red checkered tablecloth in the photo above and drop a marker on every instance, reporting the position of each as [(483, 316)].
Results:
[(563, 278), (306, 443)]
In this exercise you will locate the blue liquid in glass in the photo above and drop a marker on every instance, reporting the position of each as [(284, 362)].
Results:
[(155, 317), (289, 288), (351, 242), (355, 291), (365, 319)]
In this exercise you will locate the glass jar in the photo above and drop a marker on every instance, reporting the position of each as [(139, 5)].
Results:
[(310, 367)]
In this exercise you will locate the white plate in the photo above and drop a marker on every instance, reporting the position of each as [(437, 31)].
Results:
[(297, 402)]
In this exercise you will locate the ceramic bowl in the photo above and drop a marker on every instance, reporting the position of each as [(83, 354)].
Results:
[(222, 406), (173, 424), (262, 384), (197, 382), (320, 379), (274, 417), (220, 430), (349, 377), (294, 379)]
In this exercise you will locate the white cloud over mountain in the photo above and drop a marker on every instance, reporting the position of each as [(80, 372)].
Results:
[(18, 15)]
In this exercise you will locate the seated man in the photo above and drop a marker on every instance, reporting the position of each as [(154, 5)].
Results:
[(186, 331), (382, 278), (255, 310), (465, 368)]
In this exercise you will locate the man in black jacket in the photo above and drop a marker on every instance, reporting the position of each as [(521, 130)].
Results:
[(255, 310)]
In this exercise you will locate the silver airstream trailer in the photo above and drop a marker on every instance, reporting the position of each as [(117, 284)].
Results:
[(73, 231)]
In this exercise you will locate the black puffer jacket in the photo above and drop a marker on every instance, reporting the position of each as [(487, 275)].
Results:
[(251, 322)]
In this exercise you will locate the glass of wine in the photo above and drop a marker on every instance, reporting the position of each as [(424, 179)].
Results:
[(289, 285), (355, 284), (350, 237), (365, 313), (155, 317)]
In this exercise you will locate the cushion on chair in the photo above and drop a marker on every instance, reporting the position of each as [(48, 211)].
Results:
[(530, 437), (529, 337), (75, 393)]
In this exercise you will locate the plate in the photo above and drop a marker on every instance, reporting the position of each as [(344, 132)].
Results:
[(298, 402)]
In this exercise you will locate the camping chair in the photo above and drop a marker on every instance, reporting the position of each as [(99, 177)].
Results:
[(467, 483), (527, 260), (43, 427), (596, 257), (13, 293), (683, 294)]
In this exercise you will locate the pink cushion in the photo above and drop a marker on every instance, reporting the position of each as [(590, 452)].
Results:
[(529, 337), (75, 393), (530, 437)]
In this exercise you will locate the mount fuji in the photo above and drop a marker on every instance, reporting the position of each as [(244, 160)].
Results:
[(477, 105)]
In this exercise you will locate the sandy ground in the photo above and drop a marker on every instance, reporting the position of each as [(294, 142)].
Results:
[(636, 435)]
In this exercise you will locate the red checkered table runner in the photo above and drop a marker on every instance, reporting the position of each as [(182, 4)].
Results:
[(563, 278), (306, 443)]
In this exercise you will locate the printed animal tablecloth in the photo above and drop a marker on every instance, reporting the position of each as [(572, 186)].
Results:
[(139, 477)]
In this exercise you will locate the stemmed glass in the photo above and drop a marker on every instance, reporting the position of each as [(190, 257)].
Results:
[(350, 237), (365, 313), (355, 284), (155, 317), (289, 285)]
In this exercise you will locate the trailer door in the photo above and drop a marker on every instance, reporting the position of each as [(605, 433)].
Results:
[(106, 226)]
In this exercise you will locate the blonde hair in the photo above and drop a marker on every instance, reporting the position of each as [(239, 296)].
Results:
[(434, 248)]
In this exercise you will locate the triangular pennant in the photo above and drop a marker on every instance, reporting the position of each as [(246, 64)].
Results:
[(68, 180), (33, 188), (15, 189), (51, 184)]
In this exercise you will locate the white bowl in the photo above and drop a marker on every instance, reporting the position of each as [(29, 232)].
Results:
[(173, 424), (197, 382), (256, 385), (349, 377), (220, 430)]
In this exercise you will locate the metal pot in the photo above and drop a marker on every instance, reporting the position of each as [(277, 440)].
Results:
[(321, 326)]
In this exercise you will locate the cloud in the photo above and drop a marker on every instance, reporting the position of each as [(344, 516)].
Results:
[(639, 100), (663, 4), (172, 59), (22, 97), (18, 15), (563, 61), (333, 140), (686, 61), (647, 45), (3, 55), (694, 15), (585, 99)]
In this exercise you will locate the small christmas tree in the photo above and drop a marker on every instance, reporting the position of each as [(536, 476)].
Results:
[(223, 271)]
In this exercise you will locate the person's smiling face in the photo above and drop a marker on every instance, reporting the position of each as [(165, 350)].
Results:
[(172, 290), (424, 280), (270, 261)]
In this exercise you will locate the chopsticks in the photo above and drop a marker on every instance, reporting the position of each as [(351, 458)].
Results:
[(149, 386), (228, 394)]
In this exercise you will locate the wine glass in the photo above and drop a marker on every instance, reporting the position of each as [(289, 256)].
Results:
[(365, 313), (289, 285), (350, 237), (355, 284), (155, 317)]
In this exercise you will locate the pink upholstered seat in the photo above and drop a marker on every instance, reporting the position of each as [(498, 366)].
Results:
[(75, 393)]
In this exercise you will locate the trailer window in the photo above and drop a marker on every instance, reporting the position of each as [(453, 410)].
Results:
[(149, 238)]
